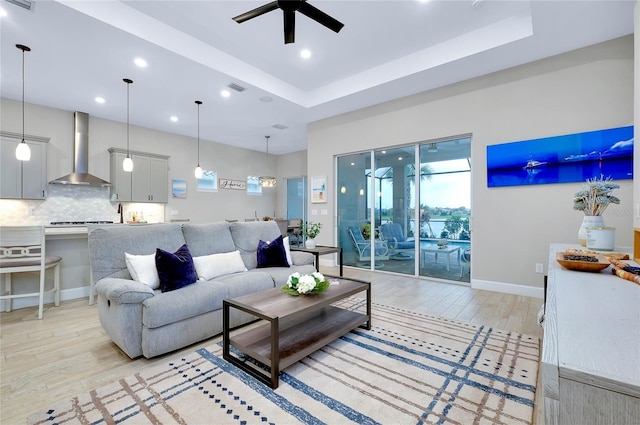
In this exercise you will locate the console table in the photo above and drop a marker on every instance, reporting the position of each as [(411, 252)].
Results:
[(321, 250), (591, 347)]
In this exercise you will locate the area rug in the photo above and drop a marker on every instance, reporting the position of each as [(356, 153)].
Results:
[(409, 368)]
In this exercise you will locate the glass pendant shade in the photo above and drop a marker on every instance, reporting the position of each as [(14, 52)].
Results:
[(23, 151), (127, 164), (267, 181), (198, 172)]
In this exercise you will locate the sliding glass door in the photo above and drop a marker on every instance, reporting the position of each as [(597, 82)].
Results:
[(445, 212), (407, 209)]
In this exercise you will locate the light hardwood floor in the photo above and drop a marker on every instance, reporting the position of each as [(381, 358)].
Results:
[(68, 353)]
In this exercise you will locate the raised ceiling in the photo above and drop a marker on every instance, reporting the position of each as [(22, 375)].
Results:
[(386, 50)]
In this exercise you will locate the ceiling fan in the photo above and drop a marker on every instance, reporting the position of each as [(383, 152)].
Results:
[(289, 8)]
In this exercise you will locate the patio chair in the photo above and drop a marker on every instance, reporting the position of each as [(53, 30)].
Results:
[(363, 246), (398, 244), (465, 261)]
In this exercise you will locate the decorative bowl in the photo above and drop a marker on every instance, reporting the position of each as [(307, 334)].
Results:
[(581, 262)]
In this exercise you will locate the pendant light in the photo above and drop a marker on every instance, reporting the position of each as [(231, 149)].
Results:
[(23, 152), (267, 181), (198, 170), (127, 164)]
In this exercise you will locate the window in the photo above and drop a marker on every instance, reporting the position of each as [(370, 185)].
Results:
[(253, 185), (208, 182)]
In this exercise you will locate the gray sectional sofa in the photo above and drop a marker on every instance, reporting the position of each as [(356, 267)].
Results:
[(148, 322)]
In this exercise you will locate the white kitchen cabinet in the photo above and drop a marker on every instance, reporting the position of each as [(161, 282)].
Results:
[(23, 179), (148, 182), (120, 179)]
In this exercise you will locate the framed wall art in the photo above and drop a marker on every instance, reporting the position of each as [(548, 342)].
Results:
[(179, 189), (562, 159), (319, 189)]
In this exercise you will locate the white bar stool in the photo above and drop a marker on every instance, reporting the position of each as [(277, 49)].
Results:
[(22, 249)]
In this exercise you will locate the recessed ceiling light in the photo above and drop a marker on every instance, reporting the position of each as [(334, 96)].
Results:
[(225, 93), (99, 99), (305, 53), (3, 12), (173, 118), (140, 62)]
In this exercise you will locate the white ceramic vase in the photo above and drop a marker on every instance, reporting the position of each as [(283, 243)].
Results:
[(310, 243), (589, 221)]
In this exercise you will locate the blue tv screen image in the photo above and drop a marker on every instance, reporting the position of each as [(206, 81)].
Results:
[(562, 159)]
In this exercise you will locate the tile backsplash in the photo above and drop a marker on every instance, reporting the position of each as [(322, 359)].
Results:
[(73, 203)]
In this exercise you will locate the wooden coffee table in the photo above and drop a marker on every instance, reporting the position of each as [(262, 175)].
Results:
[(293, 326)]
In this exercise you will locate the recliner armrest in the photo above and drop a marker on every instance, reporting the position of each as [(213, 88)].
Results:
[(123, 291)]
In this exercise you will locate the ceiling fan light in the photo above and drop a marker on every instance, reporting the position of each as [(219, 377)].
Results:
[(23, 152)]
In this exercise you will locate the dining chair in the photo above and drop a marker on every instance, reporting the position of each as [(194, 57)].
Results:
[(22, 249), (294, 230)]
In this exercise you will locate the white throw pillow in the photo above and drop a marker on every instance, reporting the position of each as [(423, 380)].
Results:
[(214, 265), (287, 250), (142, 268)]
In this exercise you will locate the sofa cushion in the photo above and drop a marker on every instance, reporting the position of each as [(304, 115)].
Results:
[(239, 284), (246, 236), (142, 268), (175, 270), (108, 243), (272, 254), (208, 238), (190, 301), (214, 265), (279, 275)]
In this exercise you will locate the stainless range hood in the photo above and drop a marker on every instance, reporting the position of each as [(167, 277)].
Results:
[(80, 175)]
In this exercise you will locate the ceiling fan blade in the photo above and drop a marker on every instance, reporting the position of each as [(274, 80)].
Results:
[(320, 17), (289, 26), (256, 12)]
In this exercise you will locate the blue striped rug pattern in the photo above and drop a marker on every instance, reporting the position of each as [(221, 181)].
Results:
[(409, 368)]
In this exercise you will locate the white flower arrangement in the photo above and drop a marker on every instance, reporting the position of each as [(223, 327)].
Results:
[(298, 284)]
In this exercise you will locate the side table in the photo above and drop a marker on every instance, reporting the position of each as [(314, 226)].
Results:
[(321, 250)]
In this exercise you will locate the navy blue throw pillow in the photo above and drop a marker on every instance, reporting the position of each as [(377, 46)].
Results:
[(175, 270), (272, 254)]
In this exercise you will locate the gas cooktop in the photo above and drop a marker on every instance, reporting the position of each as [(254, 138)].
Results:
[(78, 223)]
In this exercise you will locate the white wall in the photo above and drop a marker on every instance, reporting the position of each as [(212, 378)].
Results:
[(587, 89), (228, 161)]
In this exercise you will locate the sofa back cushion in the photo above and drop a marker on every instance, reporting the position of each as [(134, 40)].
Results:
[(209, 238), (108, 243), (247, 235)]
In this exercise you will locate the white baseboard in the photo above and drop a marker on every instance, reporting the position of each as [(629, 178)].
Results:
[(508, 288), (65, 294)]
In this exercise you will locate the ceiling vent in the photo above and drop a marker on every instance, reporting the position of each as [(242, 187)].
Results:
[(26, 4), (236, 87), (280, 126)]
